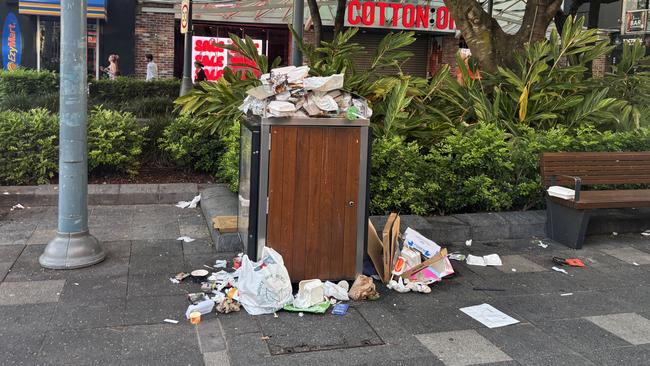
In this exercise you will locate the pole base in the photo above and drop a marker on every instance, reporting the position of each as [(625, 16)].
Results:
[(186, 85), (72, 250)]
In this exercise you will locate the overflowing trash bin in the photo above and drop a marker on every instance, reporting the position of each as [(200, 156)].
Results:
[(304, 174)]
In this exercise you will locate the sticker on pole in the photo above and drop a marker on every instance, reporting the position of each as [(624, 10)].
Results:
[(185, 16)]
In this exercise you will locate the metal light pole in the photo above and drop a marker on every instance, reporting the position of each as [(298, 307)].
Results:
[(186, 83), (73, 246), (298, 19)]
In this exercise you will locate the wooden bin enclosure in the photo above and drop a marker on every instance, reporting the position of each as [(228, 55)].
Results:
[(312, 204)]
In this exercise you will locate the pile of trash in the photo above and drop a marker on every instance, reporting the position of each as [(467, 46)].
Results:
[(291, 92)]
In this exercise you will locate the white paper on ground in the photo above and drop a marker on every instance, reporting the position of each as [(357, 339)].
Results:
[(489, 316), (468, 242), (646, 233), (190, 204), (557, 269), (417, 241), (17, 206), (220, 263), (171, 321), (185, 239), (567, 294), (474, 260), (487, 260)]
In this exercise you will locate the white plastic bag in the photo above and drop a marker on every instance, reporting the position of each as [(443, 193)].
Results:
[(335, 291), (264, 286)]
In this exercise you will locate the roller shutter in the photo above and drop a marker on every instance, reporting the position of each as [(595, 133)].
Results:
[(416, 66)]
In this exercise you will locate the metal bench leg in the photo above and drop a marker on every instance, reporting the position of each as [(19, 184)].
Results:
[(566, 225)]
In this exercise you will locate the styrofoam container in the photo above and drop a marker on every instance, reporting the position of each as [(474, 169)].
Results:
[(561, 192), (311, 291)]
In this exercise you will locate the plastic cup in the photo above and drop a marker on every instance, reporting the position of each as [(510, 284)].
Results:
[(195, 317)]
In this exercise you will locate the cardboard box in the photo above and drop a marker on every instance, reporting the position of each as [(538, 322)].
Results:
[(225, 224), (382, 251)]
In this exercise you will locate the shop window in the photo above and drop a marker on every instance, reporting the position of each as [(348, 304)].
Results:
[(51, 44)]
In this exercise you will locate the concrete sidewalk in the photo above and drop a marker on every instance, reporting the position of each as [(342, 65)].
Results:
[(112, 313)]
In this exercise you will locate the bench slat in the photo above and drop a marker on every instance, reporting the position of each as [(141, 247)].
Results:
[(629, 198)]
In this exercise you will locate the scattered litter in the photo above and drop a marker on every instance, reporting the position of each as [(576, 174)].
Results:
[(196, 297), (614, 233), (561, 270), (181, 276), (458, 257), (646, 233), (417, 241), (236, 262), (171, 321), (185, 239), (337, 291), (514, 269), (220, 263), (635, 263), (301, 315), (561, 192), (206, 266), (228, 306), (487, 289), (573, 262), (203, 307), (363, 288), (5, 193), (17, 207), (489, 316), (264, 286), (542, 244), (173, 280), (195, 317), (76, 283), (401, 286), (468, 242), (319, 308), (310, 293), (340, 309), (382, 251), (487, 260), (190, 204), (567, 294)]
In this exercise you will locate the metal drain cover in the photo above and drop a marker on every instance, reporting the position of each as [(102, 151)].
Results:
[(317, 332)]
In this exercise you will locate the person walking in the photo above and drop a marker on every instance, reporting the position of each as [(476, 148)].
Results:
[(200, 73), (152, 68), (113, 70)]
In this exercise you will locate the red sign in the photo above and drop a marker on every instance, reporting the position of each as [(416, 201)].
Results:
[(394, 15), (209, 52)]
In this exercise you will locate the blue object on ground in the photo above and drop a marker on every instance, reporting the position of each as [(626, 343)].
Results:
[(340, 309)]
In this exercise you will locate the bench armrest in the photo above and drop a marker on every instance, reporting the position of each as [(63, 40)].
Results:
[(577, 187)]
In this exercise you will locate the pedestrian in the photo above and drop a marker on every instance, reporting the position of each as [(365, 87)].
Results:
[(112, 70), (152, 68), (200, 73)]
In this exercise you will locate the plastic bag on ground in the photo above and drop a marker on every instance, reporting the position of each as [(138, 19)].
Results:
[(363, 288), (203, 307), (333, 290), (264, 286)]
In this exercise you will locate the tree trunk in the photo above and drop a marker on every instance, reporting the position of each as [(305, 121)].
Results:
[(488, 42), (316, 20), (339, 19)]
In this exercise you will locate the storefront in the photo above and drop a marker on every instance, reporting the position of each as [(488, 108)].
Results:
[(110, 30)]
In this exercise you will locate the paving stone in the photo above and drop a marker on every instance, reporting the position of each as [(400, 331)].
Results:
[(97, 346), (26, 319), (161, 340), (16, 233), (41, 236), (138, 194), (211, 338), (462, 348), (629, 255), (628, 356), (581, 335), (422, 319), (157, 248), (519, 284), (195, 231), (17, 293), (9, 253), (119, 249), (157, 285), (108, 233), (174, 359), (27, 268), (153, 310), (4, 269), (638, 297), (148, 231), (83, 290), (239, 323), (199, 247), (111, 266), (90, 313), (17, 194), (165, 266), (20, 349), (629, 326), (520, 263), (519, 340), (103, 194), (216, 358), (572, 359), (545, 307)]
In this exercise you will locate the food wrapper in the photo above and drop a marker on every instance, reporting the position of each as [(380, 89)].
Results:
[(324, 83)]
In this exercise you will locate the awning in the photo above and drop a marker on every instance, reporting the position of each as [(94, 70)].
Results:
[(96, 8)]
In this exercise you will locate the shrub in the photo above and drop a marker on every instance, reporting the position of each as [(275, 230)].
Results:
[(28, 82), (23, 102), (28, 147), (189, 143), (126, 89), (114, 141), (228, 165)]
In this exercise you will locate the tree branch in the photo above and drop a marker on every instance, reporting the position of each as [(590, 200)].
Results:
[(314, 12), (339, 19)]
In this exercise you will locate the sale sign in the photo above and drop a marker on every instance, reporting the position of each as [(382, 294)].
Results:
[(399, 15), (210, 53)]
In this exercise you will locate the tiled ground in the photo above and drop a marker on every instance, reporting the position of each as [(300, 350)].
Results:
[(112, 313)]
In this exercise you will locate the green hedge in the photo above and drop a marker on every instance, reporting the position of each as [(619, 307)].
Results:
[(28, 82), (29, 144), (124, 88)]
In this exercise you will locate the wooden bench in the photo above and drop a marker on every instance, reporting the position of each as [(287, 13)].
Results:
[(567, 220)]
